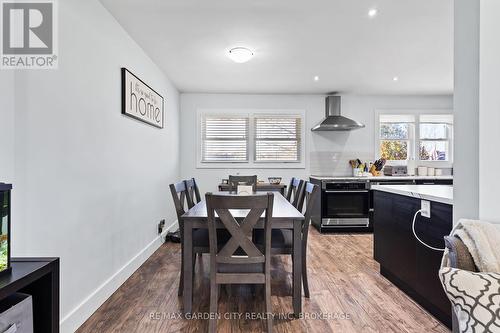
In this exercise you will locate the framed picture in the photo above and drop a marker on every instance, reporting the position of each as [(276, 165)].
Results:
[(140, 101)]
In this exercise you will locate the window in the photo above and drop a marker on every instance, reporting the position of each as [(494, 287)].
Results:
[(424, 137), (224, 138), (435, 133), (259, 138), (277, 138), (395, 137)]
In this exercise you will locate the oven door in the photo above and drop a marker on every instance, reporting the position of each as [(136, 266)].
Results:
[(346, 207)]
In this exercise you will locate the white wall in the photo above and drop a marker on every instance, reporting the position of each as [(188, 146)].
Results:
[(90, 184), (7, 126), (489, 110), (466, 108), (326, 152)]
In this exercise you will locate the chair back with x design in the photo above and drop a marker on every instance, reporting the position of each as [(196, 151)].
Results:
[(240, 230)]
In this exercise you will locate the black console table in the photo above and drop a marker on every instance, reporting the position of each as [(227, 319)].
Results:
[(260, 187), (38, 277)]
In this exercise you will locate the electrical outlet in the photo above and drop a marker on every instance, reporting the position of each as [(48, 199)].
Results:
[(161, 225), (425, 206)]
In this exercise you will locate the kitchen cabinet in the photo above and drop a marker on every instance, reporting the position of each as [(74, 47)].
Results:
[(320, 208), (403, 260), (434, 182)]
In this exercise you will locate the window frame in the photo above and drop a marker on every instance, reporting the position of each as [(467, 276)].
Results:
[(448, 140), (410, 140), (414, 149), (254, 118), (247, 139), (251, 163)]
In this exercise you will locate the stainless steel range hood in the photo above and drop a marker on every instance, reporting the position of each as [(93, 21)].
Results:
[(333, 120)]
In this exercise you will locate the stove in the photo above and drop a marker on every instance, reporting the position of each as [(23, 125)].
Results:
[(345, 204)]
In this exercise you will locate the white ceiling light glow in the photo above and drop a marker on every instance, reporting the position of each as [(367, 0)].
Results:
[(395, 79), (240, 54), (316, 78), (373, 12)]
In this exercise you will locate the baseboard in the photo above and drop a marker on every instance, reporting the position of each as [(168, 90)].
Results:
[(76, 317)]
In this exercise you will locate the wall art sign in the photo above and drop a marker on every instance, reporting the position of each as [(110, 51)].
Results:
[(140, 101)]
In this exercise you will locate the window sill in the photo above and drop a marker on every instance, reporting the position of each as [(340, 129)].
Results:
[(258, 165), (432, 164)]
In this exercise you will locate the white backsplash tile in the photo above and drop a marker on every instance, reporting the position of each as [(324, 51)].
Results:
[(330, 163)]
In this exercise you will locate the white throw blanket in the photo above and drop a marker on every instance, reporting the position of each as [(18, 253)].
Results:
[(483, 242)]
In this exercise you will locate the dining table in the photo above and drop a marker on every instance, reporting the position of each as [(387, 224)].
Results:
[(285, 216)]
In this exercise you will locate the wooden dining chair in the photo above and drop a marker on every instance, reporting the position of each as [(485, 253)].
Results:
[(193, 190), (295, 191), (181, 197), (234, 181), (282, 239), (227, 264)]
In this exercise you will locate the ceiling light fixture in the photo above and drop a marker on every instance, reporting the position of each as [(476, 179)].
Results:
[(373, 12), (316, 78), (395, 79), (240, 54)]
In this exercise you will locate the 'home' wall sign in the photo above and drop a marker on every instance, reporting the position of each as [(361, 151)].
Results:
[(140, 101)]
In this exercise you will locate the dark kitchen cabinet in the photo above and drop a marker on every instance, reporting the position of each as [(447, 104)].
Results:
[(434, 182), (403, 260)]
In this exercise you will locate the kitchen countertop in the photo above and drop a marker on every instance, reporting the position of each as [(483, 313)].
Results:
[(374, 179), (436, 193)]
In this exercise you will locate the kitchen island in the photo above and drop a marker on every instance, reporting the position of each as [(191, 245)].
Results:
[(409, 264), (435, 193)]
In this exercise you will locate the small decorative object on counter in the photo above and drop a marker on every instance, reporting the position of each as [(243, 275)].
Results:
[(5, 195), (431, 171), (422, 171), (396, 170), (376, 168), (374, 172), (357, 172), (274, 180), (244, 190), (359, 169), (368, 169)]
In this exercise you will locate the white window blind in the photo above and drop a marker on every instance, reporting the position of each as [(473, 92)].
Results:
[(277, 138), (224, 138)]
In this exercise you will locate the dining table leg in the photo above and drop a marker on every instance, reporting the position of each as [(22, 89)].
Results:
[(188, 267), (297, 268)]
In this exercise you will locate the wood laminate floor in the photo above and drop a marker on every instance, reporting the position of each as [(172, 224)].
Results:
[(347, 295)]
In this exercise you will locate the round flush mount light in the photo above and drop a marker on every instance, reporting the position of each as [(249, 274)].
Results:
[(395, 79), (240, 54), (373, 12), (316, 78)]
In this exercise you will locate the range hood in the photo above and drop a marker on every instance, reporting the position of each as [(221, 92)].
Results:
[(333, 120)]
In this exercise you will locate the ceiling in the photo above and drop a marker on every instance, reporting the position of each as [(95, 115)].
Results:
[(295, 40)]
